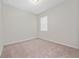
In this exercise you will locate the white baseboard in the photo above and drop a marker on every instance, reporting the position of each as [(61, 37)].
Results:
[(59, 43), (19, 41)]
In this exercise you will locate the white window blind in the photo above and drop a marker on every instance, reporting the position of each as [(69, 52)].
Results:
[(44, 23)]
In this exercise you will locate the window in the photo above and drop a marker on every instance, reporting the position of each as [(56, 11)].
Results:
[(44, 23)]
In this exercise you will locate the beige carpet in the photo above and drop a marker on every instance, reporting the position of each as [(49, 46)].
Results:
[(38, 48)]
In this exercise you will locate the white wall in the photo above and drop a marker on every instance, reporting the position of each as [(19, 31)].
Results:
[(1, 28), (62, 24), (19, 24), (78, 18)]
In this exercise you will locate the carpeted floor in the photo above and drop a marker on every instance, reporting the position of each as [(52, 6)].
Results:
[(38, 48)]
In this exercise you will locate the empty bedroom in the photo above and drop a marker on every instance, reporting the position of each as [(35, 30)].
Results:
[(39, 28)]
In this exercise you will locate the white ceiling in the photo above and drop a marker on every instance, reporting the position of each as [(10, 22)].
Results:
[(28, 5)]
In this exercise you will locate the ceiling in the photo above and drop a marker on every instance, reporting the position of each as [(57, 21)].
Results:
[(35, 8)]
